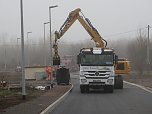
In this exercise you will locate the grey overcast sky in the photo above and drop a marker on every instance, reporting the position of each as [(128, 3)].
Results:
[(108, 16)]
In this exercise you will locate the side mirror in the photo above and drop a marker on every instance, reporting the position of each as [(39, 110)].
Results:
[(78, 59), (116, 59)]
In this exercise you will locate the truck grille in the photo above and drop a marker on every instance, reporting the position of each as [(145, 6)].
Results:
[(96, 83), (97, 77), (97, 73)]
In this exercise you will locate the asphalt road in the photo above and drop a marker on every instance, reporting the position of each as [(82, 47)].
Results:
[(130, 100)]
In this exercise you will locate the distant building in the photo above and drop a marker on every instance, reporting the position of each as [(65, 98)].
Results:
[(69, 62), (35, 73)]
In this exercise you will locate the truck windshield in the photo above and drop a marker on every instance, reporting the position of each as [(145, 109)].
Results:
[(97, 60)]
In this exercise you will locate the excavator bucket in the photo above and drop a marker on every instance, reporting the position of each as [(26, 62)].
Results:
[(56, 61)]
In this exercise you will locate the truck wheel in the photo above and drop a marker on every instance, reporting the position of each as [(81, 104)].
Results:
[(121, 83), (82, 90), (118, 84), (109, 89), (87, 89)]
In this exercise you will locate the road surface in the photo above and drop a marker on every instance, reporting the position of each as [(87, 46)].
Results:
[(130, 100)]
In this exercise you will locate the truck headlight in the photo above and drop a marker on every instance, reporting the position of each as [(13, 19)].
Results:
[(110, 81), (83, 80), (81, 72), (111, 73)]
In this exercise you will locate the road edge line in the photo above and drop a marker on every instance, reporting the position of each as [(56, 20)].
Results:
[(139, 86), (54, 104)]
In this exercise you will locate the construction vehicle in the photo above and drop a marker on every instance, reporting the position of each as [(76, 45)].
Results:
[(99, 66)]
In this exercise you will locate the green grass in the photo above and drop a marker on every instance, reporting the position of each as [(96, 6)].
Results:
[(5, 93), (18, 92)]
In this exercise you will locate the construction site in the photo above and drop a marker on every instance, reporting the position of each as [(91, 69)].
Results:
[(59, 68)]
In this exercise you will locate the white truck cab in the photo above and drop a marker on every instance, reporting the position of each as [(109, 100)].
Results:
[(96, 69)]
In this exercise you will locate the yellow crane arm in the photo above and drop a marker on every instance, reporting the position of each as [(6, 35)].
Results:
[(99, 41), (73, 16), (93, 33)]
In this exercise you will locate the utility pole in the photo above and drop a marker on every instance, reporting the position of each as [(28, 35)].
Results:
[(23, 55), (148, 41), (45, 44), (5, 58), (51, 56), (28, 54), (18, 63)]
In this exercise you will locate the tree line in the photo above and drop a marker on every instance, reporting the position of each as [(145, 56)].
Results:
[(135, 50)]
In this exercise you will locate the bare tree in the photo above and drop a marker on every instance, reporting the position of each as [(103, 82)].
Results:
[(137, 52)]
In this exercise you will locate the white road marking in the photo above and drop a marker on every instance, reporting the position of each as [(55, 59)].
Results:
[(53, 105), (147, 89)]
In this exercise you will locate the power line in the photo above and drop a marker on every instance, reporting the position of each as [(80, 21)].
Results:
[(116, 34)]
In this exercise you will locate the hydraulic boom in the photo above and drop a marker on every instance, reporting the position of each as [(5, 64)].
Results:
[(92, 31)]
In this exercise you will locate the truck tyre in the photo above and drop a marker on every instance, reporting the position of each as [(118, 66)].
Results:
[(87, 89), (118, 84), (82, 89), (109, 89)]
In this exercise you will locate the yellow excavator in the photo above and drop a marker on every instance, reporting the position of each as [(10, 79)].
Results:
[(121, 66)]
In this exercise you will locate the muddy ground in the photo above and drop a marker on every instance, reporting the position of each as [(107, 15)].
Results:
[(11, 98), (14, 97)]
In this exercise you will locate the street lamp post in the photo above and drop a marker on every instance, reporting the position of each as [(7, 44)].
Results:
[(148, 58), (51, 56), (28, 55), (17, 52), (5, 58), (44, 44), (23, 55)]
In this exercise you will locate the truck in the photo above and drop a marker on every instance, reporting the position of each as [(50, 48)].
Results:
[(97, 69), (99, 66)]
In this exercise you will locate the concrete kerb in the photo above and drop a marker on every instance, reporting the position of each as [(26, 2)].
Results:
[(56, 103), (147, 89)]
